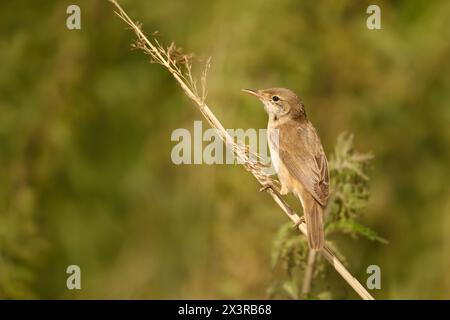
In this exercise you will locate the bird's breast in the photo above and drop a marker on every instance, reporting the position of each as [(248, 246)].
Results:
[(273, 141)]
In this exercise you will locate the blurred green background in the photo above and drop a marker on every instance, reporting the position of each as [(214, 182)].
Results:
[(85, 125)]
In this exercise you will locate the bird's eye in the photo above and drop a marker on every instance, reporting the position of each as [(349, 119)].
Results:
[(275, 98)]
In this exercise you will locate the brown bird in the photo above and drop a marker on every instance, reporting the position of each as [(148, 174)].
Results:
[(297, 156)]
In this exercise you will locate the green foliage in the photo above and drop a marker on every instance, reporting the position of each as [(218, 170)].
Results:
[(352, 227), (290, 252), (348, 196), (22, 248), (349, 190), (85, 126)]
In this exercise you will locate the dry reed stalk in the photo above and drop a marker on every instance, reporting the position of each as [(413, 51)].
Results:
[(180, 66)]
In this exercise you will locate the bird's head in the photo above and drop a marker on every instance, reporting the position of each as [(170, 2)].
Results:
[(279, 102)]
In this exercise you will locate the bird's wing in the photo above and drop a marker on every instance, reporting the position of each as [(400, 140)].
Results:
[(301, 151)]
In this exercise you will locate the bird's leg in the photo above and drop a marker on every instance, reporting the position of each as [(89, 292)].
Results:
[(299, 222), (266, 185), (269, 185), (284, 190)]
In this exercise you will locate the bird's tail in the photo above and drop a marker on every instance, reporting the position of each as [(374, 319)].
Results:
[(314, 225)]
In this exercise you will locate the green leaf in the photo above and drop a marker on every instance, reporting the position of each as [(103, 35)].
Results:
[(350, 226), (291, 289), (278, 243)]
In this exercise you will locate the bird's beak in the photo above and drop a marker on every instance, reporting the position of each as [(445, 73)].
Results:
[(252, 92)]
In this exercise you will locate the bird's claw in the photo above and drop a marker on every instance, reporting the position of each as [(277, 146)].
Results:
[(299, 222), (268, 186)]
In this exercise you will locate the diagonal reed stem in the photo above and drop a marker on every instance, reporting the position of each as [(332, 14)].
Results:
[(164, 57), (309, 272)]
